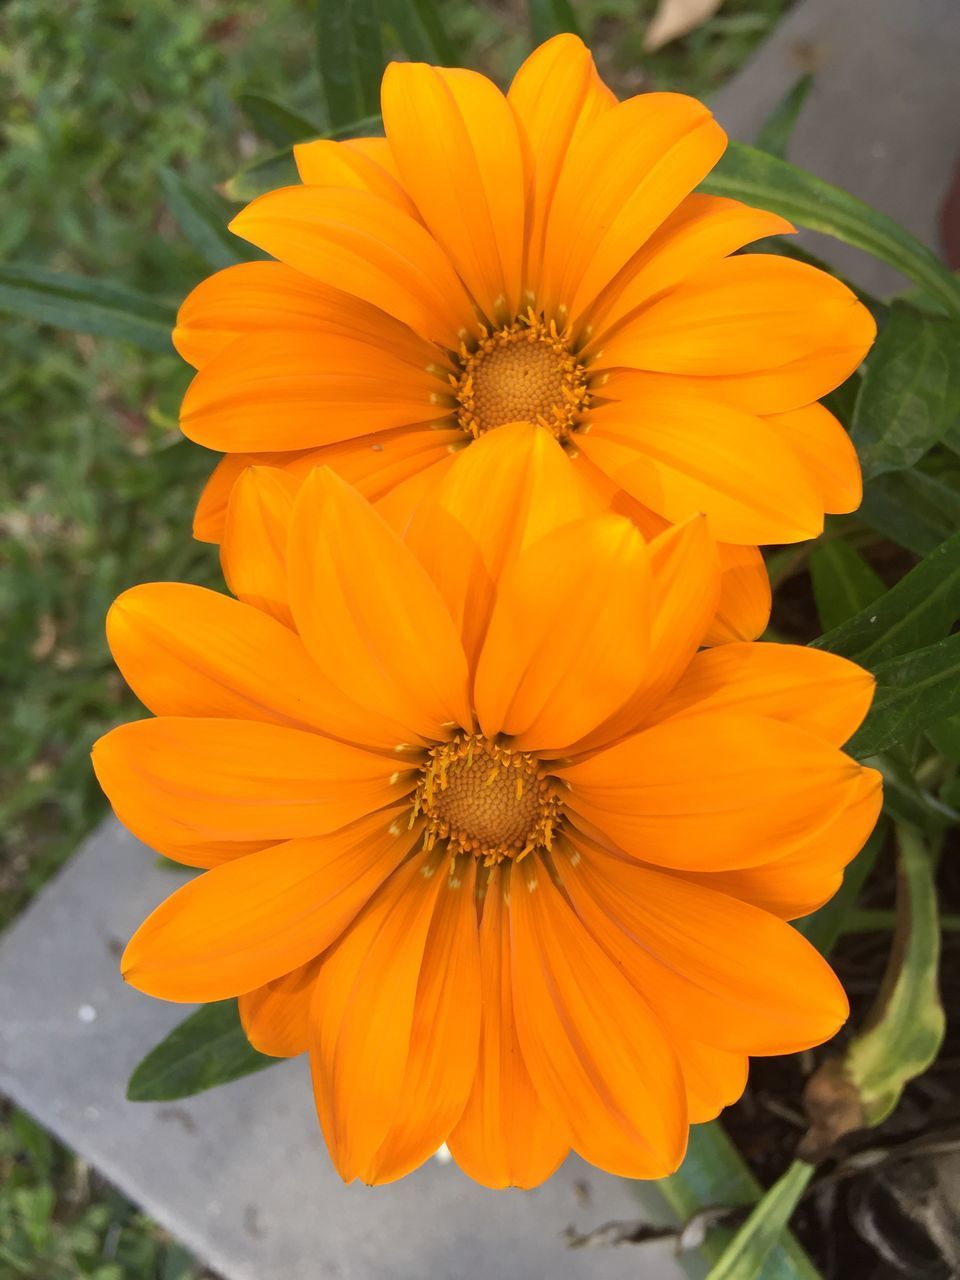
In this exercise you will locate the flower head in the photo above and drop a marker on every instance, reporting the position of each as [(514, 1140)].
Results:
[(539, 256), (482, 829)]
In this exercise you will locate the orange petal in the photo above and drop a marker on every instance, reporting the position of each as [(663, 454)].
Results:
[(268, 297), (187, 849), (713, 791), (444, 1037), (275, 1017), (621, 177), (737, 977), (465, 541), (804, 880), (505, 1137), (684, 592), (747, 313), (568, 637), (456, 145), (555, 96), (700, 230), (372, 619), (189, 651), (827, 454), (358, 163), (681, 454), (363, 1015), (256, 918), (211, 513), (279, 391), (253, 553), (743, 611), (777, 680), (241, 780), (597, 1055), (358, 242)]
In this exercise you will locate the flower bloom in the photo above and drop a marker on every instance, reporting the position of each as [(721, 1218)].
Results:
[(539, 256), (482, 829)]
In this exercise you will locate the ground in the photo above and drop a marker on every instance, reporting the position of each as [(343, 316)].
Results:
[(96, 487)]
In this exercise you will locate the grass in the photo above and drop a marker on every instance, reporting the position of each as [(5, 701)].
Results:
[(96, 486)]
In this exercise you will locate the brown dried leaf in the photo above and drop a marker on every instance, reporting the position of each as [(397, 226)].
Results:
[(674, 18)]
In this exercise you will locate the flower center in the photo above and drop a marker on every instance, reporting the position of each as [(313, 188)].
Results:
[(522, 373), (486, 800)]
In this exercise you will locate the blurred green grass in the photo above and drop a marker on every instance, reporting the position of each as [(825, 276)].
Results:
[(96, 487)]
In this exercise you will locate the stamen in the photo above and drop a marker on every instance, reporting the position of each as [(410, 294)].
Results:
[(524, 372), (484, 799)]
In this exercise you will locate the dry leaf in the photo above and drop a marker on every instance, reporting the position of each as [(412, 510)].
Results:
[(674, 18)]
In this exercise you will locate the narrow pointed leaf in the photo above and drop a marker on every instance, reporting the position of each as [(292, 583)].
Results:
[(277, 122), (913, 691), (745, 1257), (776, 131), (207, 1049), (203, 217), (421, 31), (86, 306), (843, 582), (550, 18), (350, 58)]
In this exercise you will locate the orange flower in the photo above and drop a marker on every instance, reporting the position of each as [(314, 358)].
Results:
[(534, 257), (483, 831)]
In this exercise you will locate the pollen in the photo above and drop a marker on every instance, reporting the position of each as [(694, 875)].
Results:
[(524, 372), (485, 799)]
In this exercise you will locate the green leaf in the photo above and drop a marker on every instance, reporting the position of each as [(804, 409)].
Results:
[(905, 1028), (278, 123), (714, 1173), (263, 174), (843, 582), (86, 306), (913, 509), (748, 174), (910, 395), (945, 736), (207, 1049), (776, 131), (203, 217), (350, 58), (745, 1257), (551, 17), (913, 691), (921, 608), (421, 32)]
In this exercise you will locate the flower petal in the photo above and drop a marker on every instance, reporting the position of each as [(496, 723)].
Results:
[(827, 454), (713, 791), (505, 1137), (681, 453), (295, 390), (568, 637), (465, 541), (275, 1017), (777, 680), (745, 597), (597, 1055), (444, 1037), (739, 978), (684, 591), (701, 230), (742, 314), (189, 651), (372, 619), (807, 878), (358, 242), (555, 95), (241, 780), (363, 1015), (253, 553), (357, 162), (622, 176), (456, 145), (257, 918)]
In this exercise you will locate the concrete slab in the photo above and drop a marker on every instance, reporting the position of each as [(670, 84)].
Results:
[(240, 1174), (883, 118)]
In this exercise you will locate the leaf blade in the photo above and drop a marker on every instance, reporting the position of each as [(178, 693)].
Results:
[(747, 1253)]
